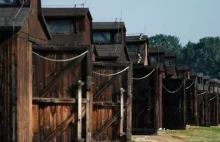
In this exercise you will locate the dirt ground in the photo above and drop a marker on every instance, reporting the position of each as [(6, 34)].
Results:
[(190, 134), (161, 137)]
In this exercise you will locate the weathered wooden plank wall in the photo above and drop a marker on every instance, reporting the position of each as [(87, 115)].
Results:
[(109, 122), (191, 96), (55, 91), (214, 109), (174, 104), (145, 101), (204, 108), (16, 89)]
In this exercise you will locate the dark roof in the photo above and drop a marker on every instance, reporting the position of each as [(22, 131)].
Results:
[(200, 74), (156, 50), (44, 26), (170, 54), (206, 77), (68, 39), (213, 80), (170, 70), (193, 74), (107, 25), (66, 12), (108, 50), (139, 38), (8, 14), (182, 67)]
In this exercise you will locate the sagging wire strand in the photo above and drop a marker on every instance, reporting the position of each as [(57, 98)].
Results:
[(16, 15), (173, 92), (201, 93), (190, 85), (144, 76), (213, 97), (61, 60), (111, 74)]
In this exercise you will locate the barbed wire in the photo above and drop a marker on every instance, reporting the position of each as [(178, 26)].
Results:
[(190, 85), (172, 92), (144, 76), (63, 60), (113, 73)]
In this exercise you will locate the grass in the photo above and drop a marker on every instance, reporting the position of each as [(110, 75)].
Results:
[(197, 134)]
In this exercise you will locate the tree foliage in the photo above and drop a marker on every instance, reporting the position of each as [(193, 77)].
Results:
[(169, 42), (203, 56)]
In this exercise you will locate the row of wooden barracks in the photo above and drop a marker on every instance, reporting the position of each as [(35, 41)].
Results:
[(65, 78)]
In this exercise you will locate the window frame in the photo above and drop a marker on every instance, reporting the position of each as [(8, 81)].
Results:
[(111, 37), (135, 48), (73, 27), (169, 61), (155, 59), (15, 3)]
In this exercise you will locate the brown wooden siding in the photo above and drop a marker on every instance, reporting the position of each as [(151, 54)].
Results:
[(145, 102), (16, 90), (106, 103), (214, 109), (191, 95), (204, 109), (55, 108), (88, 31), (32, 27), (160, 88), (174, 111)]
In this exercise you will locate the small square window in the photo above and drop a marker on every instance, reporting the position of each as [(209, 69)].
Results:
[(6, 1), (180, 74), (132, 48), (60, 26), (102, 37), (153, 59), (168, 62)]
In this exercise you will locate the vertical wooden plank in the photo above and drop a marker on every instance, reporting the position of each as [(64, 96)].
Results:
[(129, 102), (217, 108), (24, 93), (79, 124), (121, 111), (184, 103), (89, 95), (196, 121), (160, 81), (156, 102)]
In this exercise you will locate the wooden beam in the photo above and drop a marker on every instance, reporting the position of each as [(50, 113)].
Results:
[(122, 112), (60, 75), (184, 104), (56, 100), (195, 102), (156, 101), (106, 85), (106, 104), (79, 124), (129, 103), (89, 95), (111, 64), (106, 125), (61, 48), (65, 124)]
